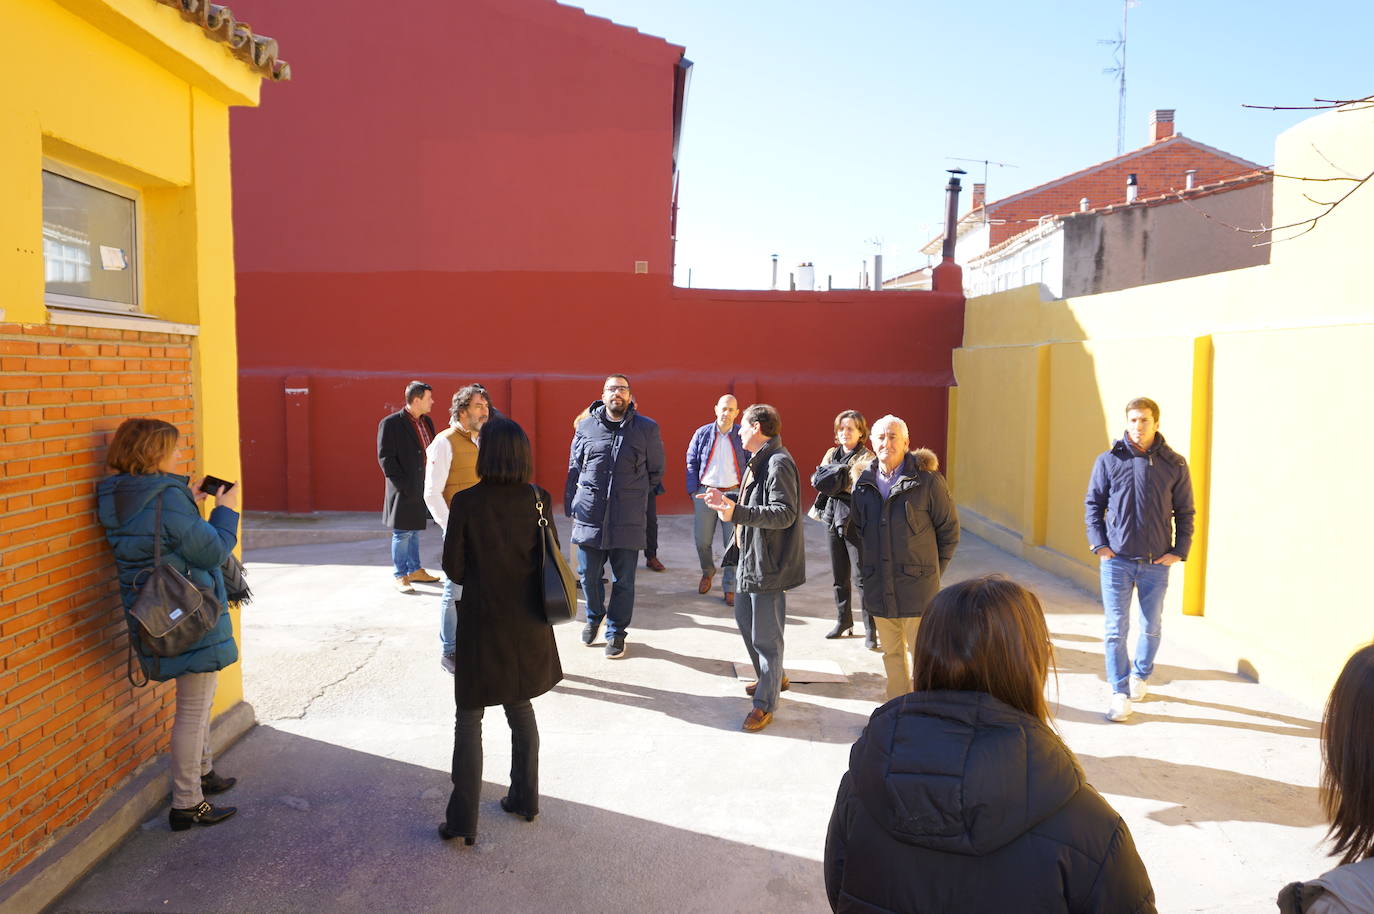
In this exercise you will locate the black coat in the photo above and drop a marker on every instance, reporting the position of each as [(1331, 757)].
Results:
[(613, 468), (832, 482), (955, 801), (772, 547), (505, 647), (905, 540), (403, 463)]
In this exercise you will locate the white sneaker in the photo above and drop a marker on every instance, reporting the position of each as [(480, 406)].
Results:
[(1120, 708), (1139, 688)]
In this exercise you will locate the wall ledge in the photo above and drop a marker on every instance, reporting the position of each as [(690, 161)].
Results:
[(74, 318), (1053, 561)]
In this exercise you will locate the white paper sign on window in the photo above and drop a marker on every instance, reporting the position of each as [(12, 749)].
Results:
[(113, 258)]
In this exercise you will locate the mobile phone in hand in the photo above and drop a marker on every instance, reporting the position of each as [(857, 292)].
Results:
[(213, 484)]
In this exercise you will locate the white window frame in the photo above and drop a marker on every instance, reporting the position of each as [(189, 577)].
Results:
[(133, 195)]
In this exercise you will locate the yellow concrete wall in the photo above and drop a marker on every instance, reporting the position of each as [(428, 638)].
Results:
[(128, 91), (1257, 373)]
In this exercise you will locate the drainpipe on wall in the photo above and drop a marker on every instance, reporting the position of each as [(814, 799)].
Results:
[(947, 275)]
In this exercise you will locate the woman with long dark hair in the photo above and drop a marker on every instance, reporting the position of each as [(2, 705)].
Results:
[(960, 796), (146, 458), (832, 481), (1347, 792), (506, 653)]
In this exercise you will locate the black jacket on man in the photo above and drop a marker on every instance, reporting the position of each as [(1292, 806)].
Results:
[(906, 540), (772, 549), (402, 459), (955, 801), (613, 467)]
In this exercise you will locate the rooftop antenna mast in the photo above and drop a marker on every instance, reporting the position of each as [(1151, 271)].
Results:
[(985, 163), (1118, 45)]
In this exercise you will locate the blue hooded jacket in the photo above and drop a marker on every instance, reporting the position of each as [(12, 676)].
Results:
[(613, 467), (127, 507), (1141, 505)]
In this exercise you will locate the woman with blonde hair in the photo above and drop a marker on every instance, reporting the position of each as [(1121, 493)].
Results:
[(1347, 792), (146, 503), (961, 797)]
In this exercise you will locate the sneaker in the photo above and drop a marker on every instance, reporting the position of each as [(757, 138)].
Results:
[(615, 648), (1120, 708), (403, 585), (589, 631), (1139, 688), (449, 662)]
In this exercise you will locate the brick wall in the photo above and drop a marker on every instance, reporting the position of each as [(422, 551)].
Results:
[(72, 729)]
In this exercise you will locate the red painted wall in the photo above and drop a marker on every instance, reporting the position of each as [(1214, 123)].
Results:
[(461, 194)]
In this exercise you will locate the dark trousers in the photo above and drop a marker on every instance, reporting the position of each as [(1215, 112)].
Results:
[(461, 816), (651, 528), (844, 558)]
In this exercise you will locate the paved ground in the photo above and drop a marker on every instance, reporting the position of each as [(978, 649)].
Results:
[(653, 800)]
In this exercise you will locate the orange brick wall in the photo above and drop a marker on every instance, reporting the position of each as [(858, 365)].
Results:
[(72, 729)]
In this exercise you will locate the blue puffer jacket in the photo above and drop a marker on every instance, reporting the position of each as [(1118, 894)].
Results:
[(1141, 505), (612, 468), (127, 508), (699, 453)]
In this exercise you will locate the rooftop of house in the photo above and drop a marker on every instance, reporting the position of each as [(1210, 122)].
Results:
[(259, 52)]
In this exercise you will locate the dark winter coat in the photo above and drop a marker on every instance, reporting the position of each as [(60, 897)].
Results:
[(772, 547), (833, 483), (612, 469), (127, 507), (955, 801), (906, 540), (1141, 505), (505, 647), (402, 459), (699, 453)]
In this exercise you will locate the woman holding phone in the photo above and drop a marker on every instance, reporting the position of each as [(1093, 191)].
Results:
[(147, 461)]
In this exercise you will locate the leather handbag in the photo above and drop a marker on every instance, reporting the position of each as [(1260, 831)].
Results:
[(170, 613), (235, 580), (556, 579)]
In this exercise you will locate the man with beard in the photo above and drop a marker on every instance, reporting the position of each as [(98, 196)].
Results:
[(451, 467), (614, 466)]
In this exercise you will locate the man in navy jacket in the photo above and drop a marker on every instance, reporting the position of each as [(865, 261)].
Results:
[(715, 459), (1140, 521), (614, 466)]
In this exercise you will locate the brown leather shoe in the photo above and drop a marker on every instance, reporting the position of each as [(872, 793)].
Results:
[(653, 564), (705, 585), (729, 598), (423, 577), (757, 720), (752, 687)]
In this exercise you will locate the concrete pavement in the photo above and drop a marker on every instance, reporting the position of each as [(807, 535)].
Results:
[(653, 800)]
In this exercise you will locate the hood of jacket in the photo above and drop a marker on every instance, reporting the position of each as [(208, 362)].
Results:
[(960, 772), (1123, 448), (921, 458), (120, 498), (598, 411)]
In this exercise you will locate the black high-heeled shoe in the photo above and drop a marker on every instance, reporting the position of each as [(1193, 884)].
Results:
[(204, 814), (841, 629), (509, 807), (447, 835)]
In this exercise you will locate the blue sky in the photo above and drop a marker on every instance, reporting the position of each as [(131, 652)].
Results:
[(814, 125)]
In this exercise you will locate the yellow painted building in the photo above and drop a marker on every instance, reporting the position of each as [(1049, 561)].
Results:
[(116, 299), (1258, 374)]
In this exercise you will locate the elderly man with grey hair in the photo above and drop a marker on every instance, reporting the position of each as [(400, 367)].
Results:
[(904, 522)]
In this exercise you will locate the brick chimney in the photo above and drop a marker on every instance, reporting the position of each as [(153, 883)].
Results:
[(1161, 124), (979, 192)]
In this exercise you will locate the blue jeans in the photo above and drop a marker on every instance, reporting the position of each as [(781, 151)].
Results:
[(1119, 577), (448, 616), (760, 617), (405, 551), (704, 524), (622, 604)]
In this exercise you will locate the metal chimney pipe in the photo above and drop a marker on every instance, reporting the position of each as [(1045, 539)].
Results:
[(1083, 205), (775, 272), (1132, 188), (1189, 177), (877, 271), (951, 213)]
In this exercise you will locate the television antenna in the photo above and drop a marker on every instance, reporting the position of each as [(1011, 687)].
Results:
[(1118, 45), (985, 163)]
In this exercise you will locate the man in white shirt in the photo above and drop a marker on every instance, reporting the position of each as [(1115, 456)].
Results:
[(715, 459), (451, 467)]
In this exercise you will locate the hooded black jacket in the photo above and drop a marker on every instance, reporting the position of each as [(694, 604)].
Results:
[(956, 802)]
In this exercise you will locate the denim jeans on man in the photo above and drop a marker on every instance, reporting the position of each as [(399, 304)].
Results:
[(760, 617), (704, 524), (622, 603), (1149, 581), (405, 551), (448, 616)]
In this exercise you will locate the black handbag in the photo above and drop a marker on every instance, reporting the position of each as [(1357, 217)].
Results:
[(170, 613), (235, 580), (557, 582)]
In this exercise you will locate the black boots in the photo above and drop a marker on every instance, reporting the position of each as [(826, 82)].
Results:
[(509, 807), (211, 784), (204, 814), (842, 628)]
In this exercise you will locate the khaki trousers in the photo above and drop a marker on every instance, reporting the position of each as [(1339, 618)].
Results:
[(896, 638)]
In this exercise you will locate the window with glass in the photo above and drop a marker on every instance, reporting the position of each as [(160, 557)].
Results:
[(89, 245)]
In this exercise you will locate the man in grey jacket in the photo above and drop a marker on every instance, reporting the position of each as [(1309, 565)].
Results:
[(771, 552)]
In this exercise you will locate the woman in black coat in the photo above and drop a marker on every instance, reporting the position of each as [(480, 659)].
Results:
[(959, 796), (505, 649), (832, 482)]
